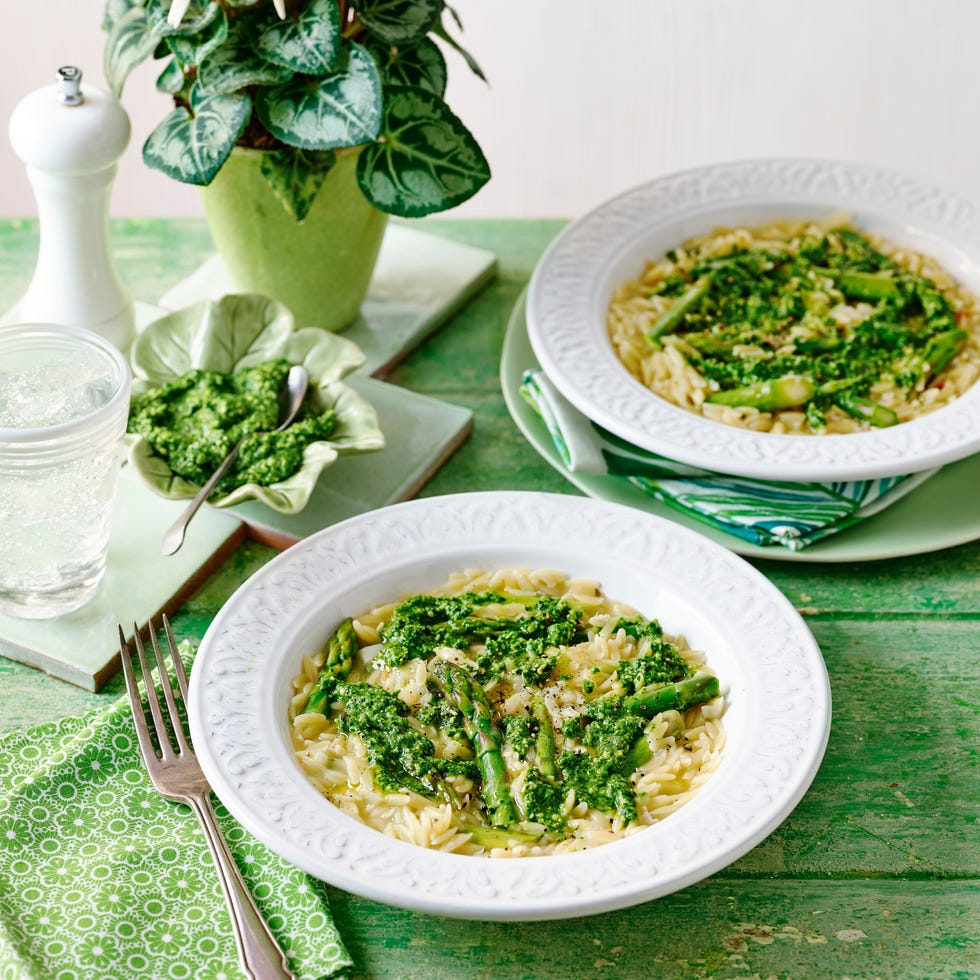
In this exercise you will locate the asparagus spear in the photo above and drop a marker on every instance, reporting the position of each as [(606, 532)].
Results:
[(768, 396), (640, 754), (670, 319), (939, 350), (458, 684), (544, 743), (655, 698), (489, 837), (341, 651), (942, 348), (868, 285), (650, 701), (861, 408), (441, 787), (863, 285)]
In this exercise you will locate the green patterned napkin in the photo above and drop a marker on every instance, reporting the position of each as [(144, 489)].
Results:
[(100, 877), (764, 512)]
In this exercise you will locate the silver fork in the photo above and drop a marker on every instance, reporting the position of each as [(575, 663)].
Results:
[(176, 773)]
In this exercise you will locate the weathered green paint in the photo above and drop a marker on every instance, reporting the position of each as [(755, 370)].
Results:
[(875, 873), (943, 583), (752, 929), (898, 793)]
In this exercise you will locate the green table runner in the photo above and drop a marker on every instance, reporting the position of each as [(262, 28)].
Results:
[(100, 877), (763, 512)]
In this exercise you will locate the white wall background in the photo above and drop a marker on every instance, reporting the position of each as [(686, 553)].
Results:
[(588, 98)]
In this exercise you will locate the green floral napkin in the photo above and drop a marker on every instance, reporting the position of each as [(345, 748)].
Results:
[(763, 512), (100, 877)]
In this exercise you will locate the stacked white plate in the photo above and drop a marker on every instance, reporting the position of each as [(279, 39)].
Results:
[(572, 286)]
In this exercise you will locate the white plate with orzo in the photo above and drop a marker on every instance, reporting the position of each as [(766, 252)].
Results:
[(525, 806), (802, 320)]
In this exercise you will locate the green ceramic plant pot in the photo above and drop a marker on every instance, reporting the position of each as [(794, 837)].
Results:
[(321, 267)]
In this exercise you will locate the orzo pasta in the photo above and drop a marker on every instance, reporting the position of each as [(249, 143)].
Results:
[(507, 713), (798, 327)]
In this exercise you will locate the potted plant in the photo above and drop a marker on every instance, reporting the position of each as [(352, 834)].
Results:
[(306, 123)]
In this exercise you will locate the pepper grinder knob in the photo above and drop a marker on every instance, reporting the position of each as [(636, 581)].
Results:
[(71, 136), (70, 85)]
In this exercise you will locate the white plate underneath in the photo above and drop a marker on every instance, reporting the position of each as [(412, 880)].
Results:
[(943, 512)]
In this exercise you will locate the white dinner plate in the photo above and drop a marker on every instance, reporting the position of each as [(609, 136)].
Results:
[(573, 283), (770, 669)]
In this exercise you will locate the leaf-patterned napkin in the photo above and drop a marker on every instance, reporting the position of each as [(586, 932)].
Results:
[(763, 512), (100, 877)]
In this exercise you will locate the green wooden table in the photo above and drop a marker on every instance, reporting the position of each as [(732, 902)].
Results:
[(875, 873)]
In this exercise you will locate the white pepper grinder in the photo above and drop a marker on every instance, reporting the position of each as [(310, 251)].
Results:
[(71, 137)]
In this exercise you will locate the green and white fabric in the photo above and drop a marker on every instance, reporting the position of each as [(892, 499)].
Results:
[(789, 515), (100, 877)]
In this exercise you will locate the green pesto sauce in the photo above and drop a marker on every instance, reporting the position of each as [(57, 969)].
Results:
[(194, 421), (528, 644), (607, 736), (402, 756), (663, 664), (518, 733), (545, 801), (777, 308)]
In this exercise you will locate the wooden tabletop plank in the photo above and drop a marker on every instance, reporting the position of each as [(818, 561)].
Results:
[(898, 792), (943, 583), (798, 929)]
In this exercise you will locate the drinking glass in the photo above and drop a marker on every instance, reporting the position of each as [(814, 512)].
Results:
[(64, 403)]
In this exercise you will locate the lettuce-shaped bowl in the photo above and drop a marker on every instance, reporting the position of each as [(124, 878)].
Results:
[(236, 332)]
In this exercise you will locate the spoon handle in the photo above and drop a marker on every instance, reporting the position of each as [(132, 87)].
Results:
[(174, 537)]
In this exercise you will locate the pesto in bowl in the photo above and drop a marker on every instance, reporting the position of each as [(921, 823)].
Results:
[(209, 373)]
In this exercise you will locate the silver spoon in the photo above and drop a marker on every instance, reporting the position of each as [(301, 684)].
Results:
[(295, 391)]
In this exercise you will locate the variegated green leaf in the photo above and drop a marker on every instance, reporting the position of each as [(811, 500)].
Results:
[(440, 31), (296, 177), (171, 80), (420, 65), (130, 41), (191, 146), (191, 49), (426, 160), (234, 64), (116, 9), (308, 42), (199, 15), (399, 21), (342, 109)]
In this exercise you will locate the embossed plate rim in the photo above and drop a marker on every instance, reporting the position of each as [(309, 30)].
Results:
[(571, 285), (754, 638)]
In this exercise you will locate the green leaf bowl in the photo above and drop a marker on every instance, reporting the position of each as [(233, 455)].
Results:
[(239, 331)]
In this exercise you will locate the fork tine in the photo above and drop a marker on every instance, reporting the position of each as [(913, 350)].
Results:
[(168, 691), (178, 663), (135, 698), (163, 736)]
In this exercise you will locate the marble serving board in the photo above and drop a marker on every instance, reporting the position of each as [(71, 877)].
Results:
[(419, 282)]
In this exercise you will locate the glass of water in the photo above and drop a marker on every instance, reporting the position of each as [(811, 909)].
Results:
[(64, 403)]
